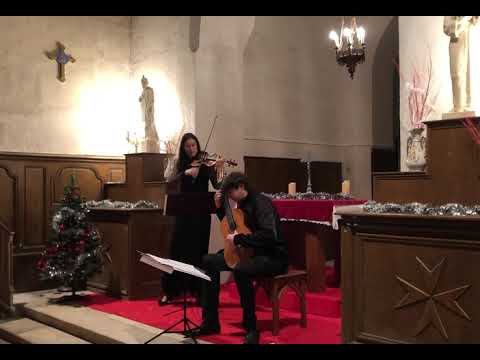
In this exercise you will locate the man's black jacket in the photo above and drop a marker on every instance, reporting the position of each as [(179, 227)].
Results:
[(262, 219)]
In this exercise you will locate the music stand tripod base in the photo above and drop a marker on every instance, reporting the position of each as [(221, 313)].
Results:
[(187, 330)]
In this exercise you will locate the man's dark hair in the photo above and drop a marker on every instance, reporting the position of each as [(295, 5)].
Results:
[(234, 180)]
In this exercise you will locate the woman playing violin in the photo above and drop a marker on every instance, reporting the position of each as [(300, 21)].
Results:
[(192, 233)]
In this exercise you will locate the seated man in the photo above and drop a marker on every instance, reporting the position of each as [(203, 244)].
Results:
[(269, 255)]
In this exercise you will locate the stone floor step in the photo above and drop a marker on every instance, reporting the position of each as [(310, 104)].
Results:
[(28, 331), (91, 325)]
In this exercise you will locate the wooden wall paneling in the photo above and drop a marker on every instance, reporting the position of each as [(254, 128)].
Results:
[(124, 232), (31, 190), (154, 166), (155, 192), (347, 252), (115, 233), (326, 176), (118, 192), (6, 282), (8, 194), (88, 179), (386, 258), (35, 208), (402, 187), (294, 233), (451, 161), (152, 233), (25, 274), (116, 175), (452, 172), (315, 257), (272, 175)]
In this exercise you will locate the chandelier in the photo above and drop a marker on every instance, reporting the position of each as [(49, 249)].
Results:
[(350, 45)]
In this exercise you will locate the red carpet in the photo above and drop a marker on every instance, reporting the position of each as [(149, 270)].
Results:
[(320, 329), (327, 304)]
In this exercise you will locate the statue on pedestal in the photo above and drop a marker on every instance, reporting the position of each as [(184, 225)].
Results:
[(151, 141), (458, 28)]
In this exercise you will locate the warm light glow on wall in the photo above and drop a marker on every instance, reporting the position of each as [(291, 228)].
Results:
[(108, 107), (102, 115)]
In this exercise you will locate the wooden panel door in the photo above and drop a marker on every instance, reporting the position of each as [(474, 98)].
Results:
[(6, 288)]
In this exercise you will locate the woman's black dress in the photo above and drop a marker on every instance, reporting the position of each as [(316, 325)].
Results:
[(191, 236)]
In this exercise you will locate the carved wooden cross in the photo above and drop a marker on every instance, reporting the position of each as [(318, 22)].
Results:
[(61, 58)]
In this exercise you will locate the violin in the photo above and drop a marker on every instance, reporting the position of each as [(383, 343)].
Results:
[(234, 220), (211, 160)]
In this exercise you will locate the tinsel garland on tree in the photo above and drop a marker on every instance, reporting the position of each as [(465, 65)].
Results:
[(74, 251)]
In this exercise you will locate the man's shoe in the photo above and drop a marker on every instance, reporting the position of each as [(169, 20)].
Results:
[(206, 329), (252, 337)]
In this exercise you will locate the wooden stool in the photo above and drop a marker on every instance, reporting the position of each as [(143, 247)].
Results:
[(274, 287)]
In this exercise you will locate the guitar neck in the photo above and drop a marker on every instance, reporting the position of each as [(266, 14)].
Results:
[(229, 215)]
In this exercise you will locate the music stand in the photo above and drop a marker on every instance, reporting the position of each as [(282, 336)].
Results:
[(169, 266), (185, 204)]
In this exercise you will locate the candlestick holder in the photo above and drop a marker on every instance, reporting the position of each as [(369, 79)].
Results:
[(135, 142), (309, 177)]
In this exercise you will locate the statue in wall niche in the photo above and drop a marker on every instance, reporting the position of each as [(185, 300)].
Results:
[(147, 99), (458, 28)]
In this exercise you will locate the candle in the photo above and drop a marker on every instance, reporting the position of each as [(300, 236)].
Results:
[(361, 35), (292, 188), (346, 187), (334, 36)]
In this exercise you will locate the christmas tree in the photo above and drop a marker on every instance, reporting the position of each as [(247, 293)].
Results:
[(74, 251)]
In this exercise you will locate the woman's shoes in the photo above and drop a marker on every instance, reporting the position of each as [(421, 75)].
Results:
[(164, 300)]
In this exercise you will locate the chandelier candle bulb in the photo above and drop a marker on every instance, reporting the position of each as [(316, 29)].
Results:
[(334, 37), (292, 188), (348, 34), (361, 35)]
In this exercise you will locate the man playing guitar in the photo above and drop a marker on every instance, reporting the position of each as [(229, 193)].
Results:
[(264, 242)]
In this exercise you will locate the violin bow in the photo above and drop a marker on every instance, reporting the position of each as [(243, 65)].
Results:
[(208, 140), (210, 135)]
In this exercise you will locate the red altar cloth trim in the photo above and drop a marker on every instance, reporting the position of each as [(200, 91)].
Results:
[(313, 210)]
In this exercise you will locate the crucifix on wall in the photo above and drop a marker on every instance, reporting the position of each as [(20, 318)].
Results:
[(61, 58)]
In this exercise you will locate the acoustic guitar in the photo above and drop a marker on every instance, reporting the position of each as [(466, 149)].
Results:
[(234, 220)]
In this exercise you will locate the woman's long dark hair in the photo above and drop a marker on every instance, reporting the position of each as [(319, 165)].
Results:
[(183, 159)]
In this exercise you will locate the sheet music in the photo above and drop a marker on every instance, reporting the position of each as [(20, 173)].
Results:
[(172, 265), (149, 261)]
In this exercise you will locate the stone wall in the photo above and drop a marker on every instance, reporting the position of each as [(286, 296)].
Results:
[(88, 114)]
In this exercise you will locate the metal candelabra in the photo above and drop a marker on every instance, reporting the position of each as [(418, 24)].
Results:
[(135, 142), (309, 178)]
